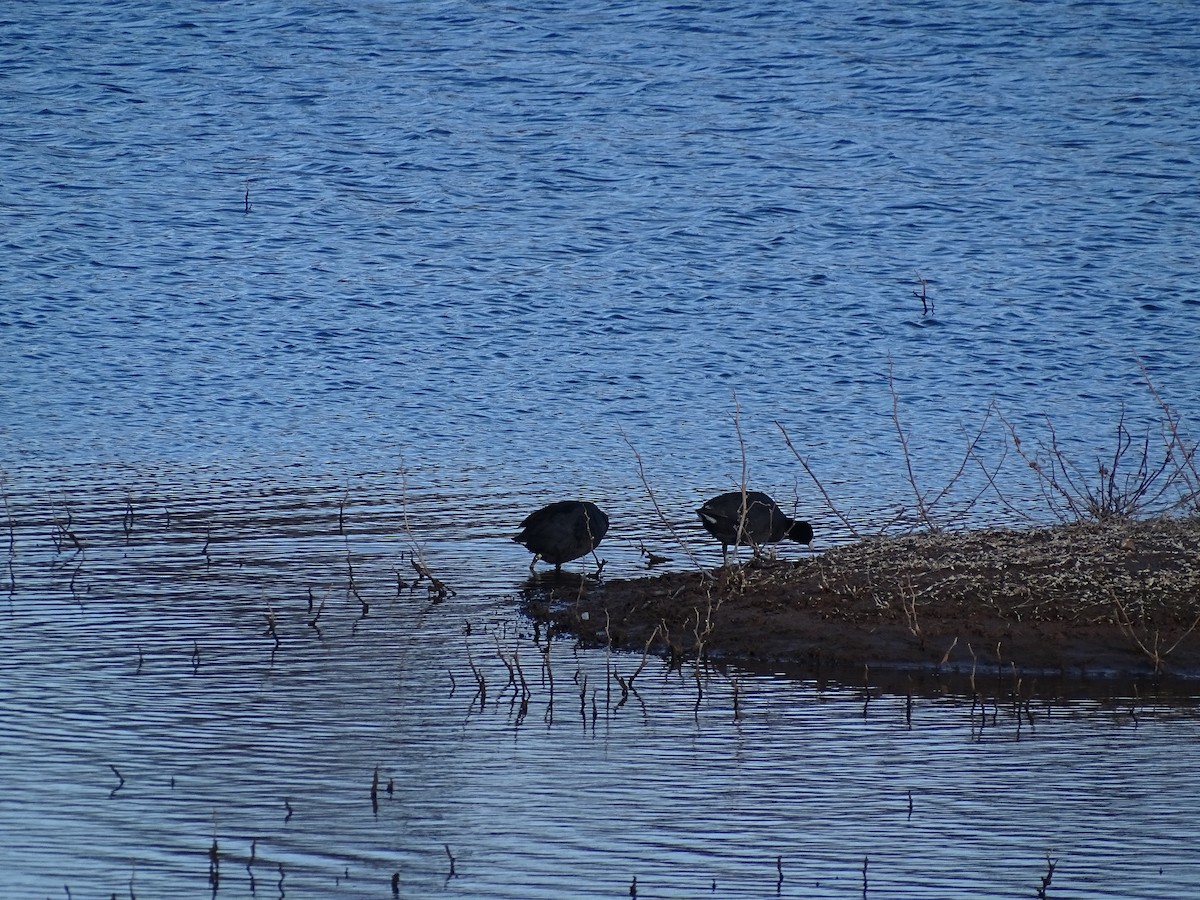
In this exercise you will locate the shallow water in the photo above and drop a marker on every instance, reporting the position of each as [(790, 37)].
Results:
[(292, 293), (237, 663)]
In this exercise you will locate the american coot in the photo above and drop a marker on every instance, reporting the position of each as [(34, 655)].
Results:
[(563, 531), (762, 523)]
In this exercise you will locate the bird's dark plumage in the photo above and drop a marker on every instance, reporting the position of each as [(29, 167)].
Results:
[(762, 523), (563, 531)]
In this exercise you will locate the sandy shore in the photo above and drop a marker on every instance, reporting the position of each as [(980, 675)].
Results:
[(1085, 601)]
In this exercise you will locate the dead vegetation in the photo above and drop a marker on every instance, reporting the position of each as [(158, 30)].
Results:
[(1113, 587), (1091, 597)]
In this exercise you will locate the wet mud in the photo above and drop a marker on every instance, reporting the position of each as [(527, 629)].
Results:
[(1118, 600)]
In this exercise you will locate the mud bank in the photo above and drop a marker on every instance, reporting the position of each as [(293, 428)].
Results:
[(1085, 601)]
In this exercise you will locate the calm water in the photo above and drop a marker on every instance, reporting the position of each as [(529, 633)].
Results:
[(258, 260)]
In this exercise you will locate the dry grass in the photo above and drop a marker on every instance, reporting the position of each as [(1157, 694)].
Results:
[(1075, 573), (1113, 596)]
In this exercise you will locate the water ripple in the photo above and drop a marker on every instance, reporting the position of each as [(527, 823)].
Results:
[(257, 261)]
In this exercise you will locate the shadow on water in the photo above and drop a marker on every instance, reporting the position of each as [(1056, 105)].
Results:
[(553, 606), (714, 617)]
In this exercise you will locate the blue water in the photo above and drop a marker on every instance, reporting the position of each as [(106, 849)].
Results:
[(492, 237), (259, 259)]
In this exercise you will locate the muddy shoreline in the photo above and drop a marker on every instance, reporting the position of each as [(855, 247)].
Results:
[(1072, 603)]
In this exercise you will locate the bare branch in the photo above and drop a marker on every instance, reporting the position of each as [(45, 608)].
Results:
[(829, 504)]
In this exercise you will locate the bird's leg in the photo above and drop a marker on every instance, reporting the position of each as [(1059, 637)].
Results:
[(533, 562)]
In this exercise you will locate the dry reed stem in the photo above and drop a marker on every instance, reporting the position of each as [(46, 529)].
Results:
[(971, 453), (1153, 653), (1128, 484), (926, 506), (829, 504), (744, 511), (436, 586), (1186, 463), (683, 545), (922, 510)]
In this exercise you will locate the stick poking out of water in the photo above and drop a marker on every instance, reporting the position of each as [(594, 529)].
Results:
[(1046, 879), (120, 778)]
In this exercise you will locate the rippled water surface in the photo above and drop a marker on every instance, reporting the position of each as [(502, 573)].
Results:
[(258, 669), (294, 294)]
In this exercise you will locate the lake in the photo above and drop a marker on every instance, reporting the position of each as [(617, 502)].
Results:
[(294, 295)]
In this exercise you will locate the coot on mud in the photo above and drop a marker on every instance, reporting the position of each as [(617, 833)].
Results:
[(762, 523)]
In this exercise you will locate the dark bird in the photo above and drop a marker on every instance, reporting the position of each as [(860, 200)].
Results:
[(761, 522), (563, 531)]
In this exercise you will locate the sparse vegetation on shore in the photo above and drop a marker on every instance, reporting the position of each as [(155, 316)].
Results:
[(1116, 597), (1112, 588)]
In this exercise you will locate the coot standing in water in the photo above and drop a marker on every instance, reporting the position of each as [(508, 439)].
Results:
[(563, 531), (762, 521)]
